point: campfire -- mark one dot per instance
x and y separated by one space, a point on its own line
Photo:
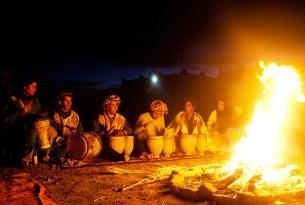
257 171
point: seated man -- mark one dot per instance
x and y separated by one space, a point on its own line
217 126
111 123
188 121
149 124
20 113
65 121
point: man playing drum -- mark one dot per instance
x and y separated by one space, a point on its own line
150 124
20 113
65 121
188 121
110 123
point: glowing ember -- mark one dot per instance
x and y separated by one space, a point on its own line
260 149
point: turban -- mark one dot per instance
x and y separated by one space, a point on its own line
158 106
112 98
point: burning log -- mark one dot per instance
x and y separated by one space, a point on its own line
252 198
224 183
207 190
252 182
199 184
224 199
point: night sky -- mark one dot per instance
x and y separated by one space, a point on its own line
103 41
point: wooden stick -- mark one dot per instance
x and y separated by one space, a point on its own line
131 186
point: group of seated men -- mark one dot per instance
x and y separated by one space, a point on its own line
20 142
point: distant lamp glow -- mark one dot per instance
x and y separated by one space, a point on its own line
154 79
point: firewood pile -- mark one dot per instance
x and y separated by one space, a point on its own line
214 184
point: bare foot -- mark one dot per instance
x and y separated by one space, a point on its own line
145 155
150 156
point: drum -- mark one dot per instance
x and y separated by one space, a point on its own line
155 145
169 146
117 143
42 126
84 146
188 143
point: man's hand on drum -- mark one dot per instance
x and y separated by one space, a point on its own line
111 131
121 133
65 142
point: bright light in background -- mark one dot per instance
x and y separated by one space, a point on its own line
154 79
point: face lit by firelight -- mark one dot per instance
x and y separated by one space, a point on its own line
220 105
30 89
157 114
113 107
66 103
189 108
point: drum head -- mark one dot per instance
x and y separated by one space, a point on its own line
78 147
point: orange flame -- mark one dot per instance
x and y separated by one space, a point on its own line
259 150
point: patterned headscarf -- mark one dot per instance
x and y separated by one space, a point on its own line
110 99
158 106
